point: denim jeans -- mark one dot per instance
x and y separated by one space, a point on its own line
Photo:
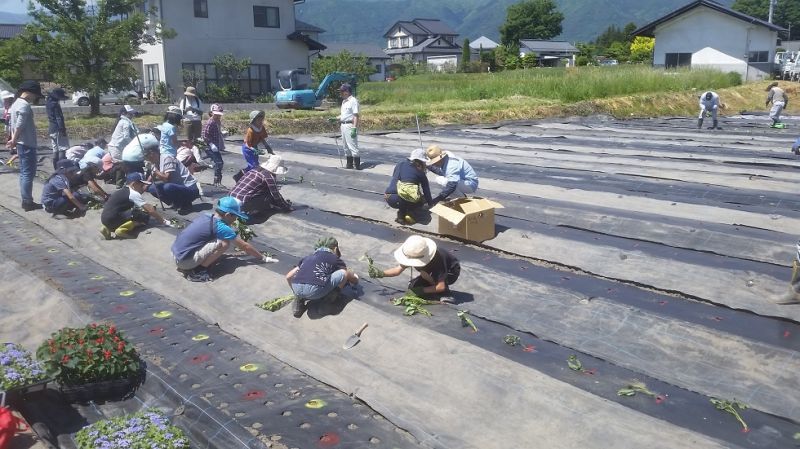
216 157
174 194
313 292
27 171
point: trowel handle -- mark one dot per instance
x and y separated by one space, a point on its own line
360 330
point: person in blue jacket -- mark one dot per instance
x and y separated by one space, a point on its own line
404 193
454 174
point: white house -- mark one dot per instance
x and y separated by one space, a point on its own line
549 53
480 44
375 55
262 30
423 40
707 34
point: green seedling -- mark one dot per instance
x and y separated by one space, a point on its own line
466 320
413 304
94 204
201 144
276 304
731 407
177 223
635 387
244 231
300 179
575 364
373 271
512 340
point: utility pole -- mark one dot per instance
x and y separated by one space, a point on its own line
771 9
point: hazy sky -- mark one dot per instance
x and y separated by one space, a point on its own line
15 6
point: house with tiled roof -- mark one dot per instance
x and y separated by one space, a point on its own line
423 40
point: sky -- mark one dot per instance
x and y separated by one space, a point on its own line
15 6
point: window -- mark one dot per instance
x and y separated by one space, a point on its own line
758 56
201 8
673 60
254 80
403 42
151 76
266 17
378 68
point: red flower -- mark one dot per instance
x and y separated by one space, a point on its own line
120 346
65 359
107 354
94 325
80 341
101 331
116 339
100 340
112 330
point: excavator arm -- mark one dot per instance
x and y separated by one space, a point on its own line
322 90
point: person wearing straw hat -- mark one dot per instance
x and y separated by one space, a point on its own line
438 269
403 192
258 190
454 173
192 110
323 274
212 135
8 99
23 139
208 237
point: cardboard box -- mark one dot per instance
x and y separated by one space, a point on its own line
467 218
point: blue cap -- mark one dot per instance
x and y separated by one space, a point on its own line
135 177
231 205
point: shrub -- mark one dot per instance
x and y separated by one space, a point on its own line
17 367
95 353
265 98
148 429
228 93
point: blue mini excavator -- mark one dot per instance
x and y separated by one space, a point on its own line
295 95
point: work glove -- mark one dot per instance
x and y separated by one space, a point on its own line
268 259
353 133
333 119
168 223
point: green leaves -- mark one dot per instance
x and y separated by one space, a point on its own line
732 407
463 315
635 387
512 340
574 364
244 231
276 304
413 304
373 271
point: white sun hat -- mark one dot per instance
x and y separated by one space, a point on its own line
416 251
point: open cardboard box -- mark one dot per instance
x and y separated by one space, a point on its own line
468 218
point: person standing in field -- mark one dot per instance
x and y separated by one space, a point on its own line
192 110
57 128
779 100
212 135
709 104
348 119
23 139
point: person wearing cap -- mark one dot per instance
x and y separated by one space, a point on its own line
60 195
208 237
709 104
189 156
779 100
173 185
212 136
57 128
192 110
256 134
438 269
124 132
453 173
348 119
127 210
323 274
133 153
169 131
23 139
94 154
257 189
403 192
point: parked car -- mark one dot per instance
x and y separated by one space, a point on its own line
113 96
607 62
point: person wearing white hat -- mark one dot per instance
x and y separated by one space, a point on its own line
192 110
403 192
438 269
257 189
8 99
454 174
212 135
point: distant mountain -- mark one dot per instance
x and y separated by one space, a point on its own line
10 17
365 21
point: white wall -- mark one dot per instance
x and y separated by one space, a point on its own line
228 29
715 40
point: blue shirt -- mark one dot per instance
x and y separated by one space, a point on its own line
165 144
204 229
93 155
54 189
456 169
223 231
317 268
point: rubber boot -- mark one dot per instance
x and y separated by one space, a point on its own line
106 233
793 295
357 163
349 162
124 230
716 125
699 123
298 307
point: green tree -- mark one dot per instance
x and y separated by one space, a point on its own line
786 14
530 19
500 54
586 53
528 61
12 52
641 49
465 56
229 70
628 32
345 62
619 50
89 46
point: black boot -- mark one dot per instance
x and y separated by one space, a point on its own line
298 307
699 123
357 163
349 162
716 125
